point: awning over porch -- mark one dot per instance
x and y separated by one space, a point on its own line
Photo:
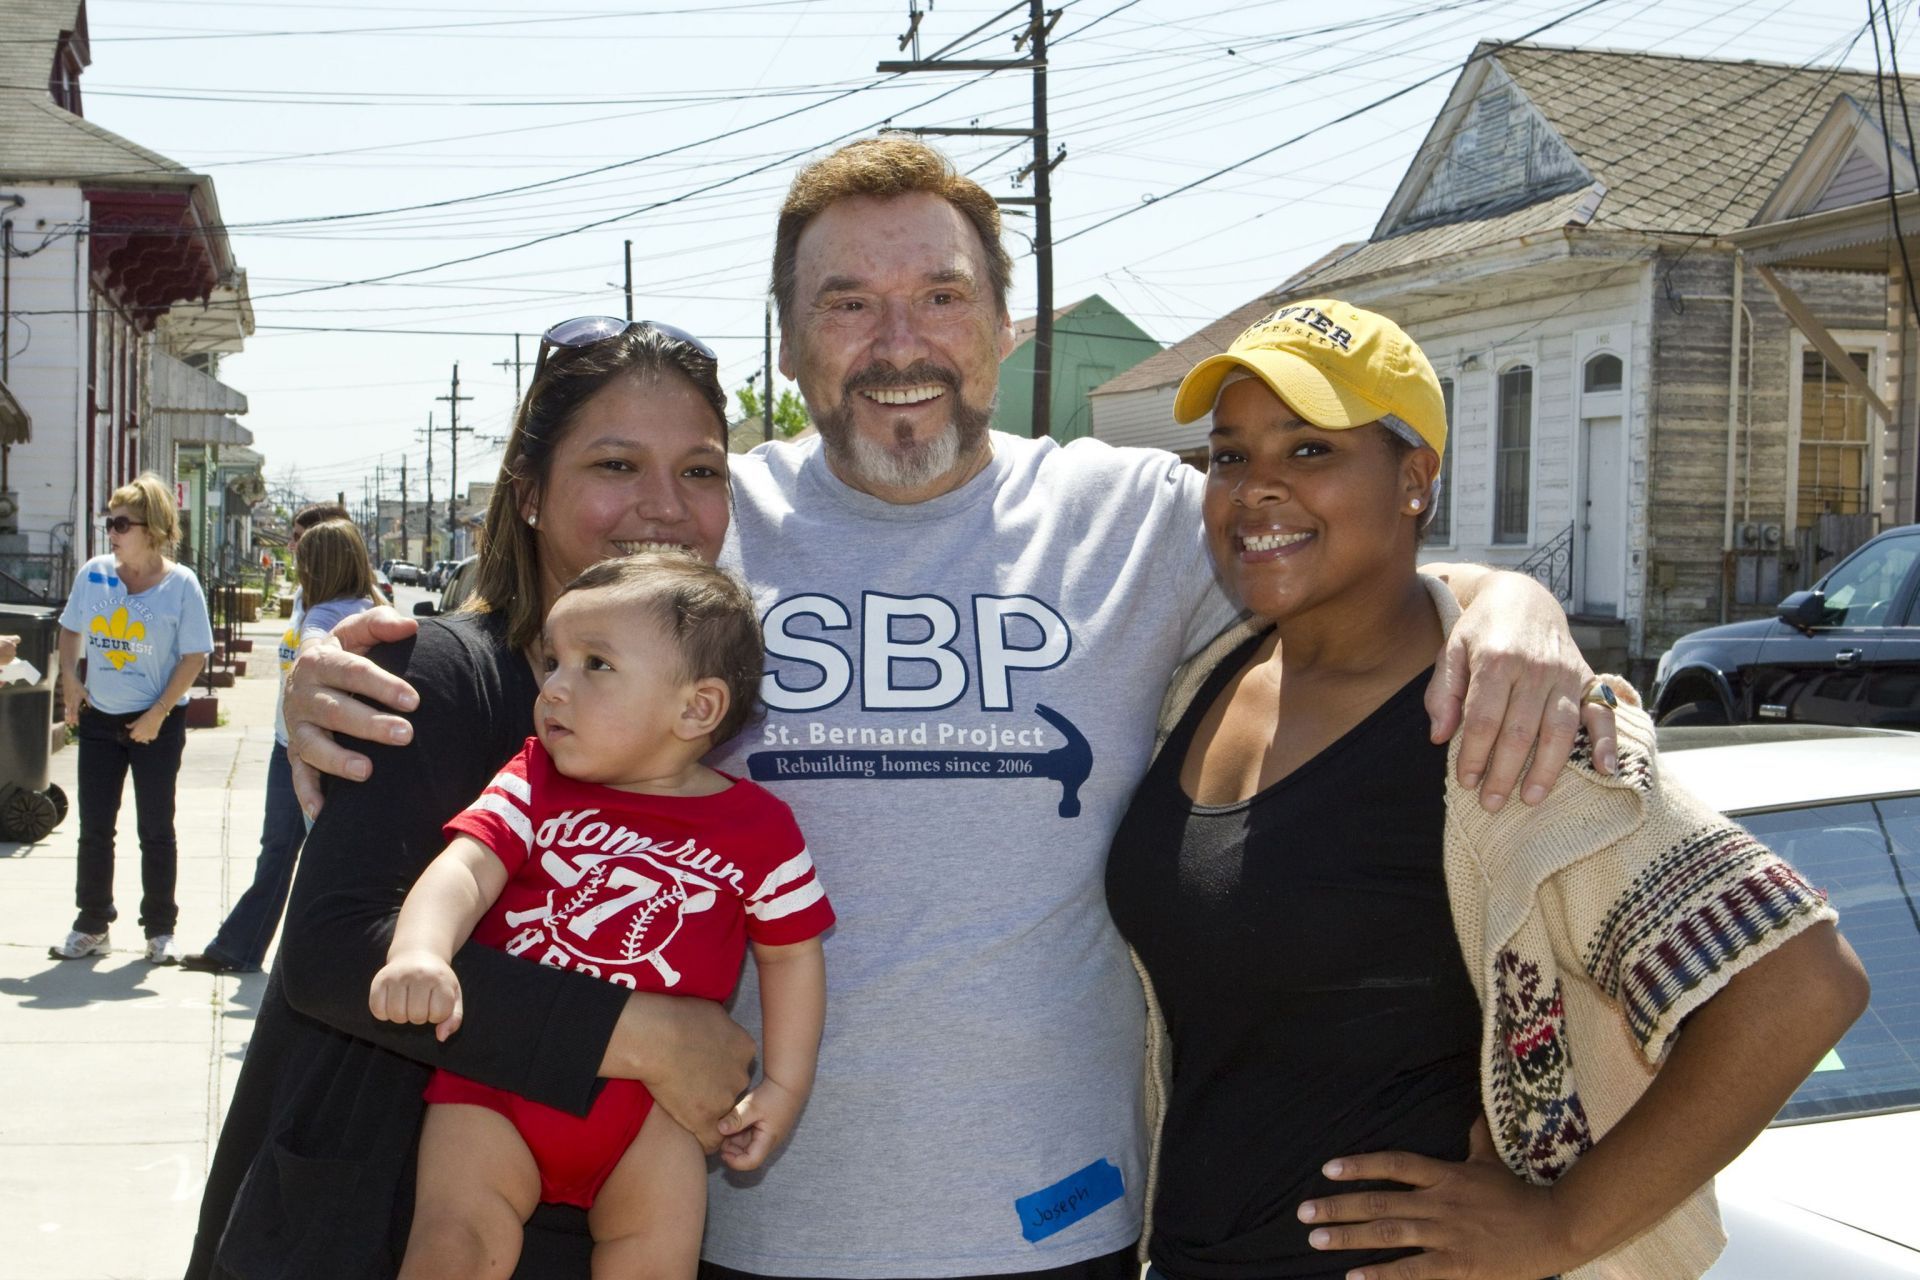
16 425
1867 237
1859 237
201 428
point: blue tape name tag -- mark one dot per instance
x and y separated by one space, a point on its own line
1067 1201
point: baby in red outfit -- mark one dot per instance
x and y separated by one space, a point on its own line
605 846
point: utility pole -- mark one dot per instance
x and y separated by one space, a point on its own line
403 511
379 496
454 400
912 37
1033 41
517 364
629 282
1042 168
766 400
426 512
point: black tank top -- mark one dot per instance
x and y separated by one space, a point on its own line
1303 951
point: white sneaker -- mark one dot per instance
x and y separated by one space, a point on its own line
80 945
160 949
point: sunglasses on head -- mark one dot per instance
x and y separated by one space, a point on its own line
585 331
120 524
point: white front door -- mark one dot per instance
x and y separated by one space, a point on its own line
1603 518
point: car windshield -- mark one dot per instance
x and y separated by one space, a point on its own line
1860 592
1865 856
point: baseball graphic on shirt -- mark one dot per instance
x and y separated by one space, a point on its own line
626 909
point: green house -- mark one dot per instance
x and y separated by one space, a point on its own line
1092 342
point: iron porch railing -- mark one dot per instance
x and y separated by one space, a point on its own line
1552 567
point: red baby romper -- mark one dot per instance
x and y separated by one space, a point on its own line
650 892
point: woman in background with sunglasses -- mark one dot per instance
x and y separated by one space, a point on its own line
619 447
143 621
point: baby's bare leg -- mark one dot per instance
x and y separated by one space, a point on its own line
477 1188
647 1219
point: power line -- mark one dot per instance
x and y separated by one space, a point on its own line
647 208
547 182
394 98
1341 119
435 28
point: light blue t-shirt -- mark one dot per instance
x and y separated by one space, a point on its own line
961 695
322 618
133 642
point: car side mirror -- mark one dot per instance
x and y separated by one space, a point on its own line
425 609
1804 610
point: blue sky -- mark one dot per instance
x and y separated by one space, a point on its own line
315 117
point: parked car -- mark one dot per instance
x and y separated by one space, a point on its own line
437 576
402 571
1827 1190
384 585
1845 652
459 585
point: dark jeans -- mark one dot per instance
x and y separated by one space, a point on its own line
1119 1265
106 754
248 928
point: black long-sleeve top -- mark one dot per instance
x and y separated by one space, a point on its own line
314 1171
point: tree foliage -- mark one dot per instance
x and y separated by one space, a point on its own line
789 411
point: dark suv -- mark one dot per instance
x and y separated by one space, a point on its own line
1845 652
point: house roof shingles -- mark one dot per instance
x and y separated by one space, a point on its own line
1687 145
1171 365
1449 238
1023 330
40 141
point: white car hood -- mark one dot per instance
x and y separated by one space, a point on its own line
1853 1172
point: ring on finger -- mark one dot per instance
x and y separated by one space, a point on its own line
1600 694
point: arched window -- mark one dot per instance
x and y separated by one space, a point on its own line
1513 457
1440 528
1604 373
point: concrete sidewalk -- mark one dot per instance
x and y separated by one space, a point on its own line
117 1072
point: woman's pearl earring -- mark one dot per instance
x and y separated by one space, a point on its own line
1411 506
531 519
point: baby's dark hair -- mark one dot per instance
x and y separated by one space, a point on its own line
708 613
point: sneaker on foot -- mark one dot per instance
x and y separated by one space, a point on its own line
80 945
160 949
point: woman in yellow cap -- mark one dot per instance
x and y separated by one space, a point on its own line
1392 1020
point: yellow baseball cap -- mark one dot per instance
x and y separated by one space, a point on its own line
1334 364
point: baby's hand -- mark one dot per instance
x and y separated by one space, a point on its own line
758 1124
416 987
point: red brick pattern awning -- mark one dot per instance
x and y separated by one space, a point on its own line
150 251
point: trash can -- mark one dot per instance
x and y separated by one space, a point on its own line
30 805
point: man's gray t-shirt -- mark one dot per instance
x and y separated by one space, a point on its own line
961 695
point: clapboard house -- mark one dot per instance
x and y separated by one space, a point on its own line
119 293
1092 341
1644 418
